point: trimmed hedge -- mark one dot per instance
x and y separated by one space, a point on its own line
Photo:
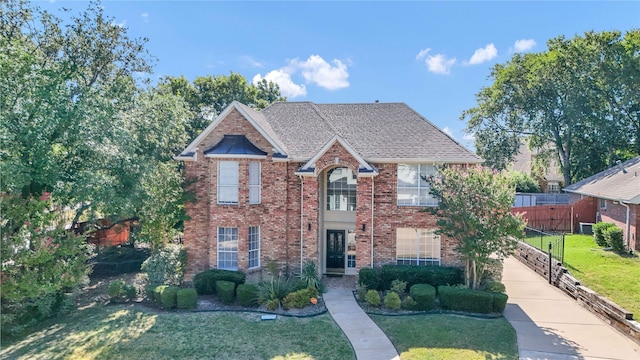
372 298
463 299
168 296
156 294
409 304
300 298
187 298
226 291
499 302
205 282
599 230
381 278
423 295
614 236
369 278
247 294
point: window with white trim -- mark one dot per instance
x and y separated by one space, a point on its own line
227 248
603 204
228 182
341 189
255 182
412 189
417 247
254 247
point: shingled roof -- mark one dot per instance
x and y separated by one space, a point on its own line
379 132
619 183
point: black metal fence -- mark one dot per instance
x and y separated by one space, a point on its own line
551 243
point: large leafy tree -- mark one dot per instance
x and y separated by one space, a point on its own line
474 208
578 102
209 95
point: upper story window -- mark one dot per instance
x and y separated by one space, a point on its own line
412 189
228 182
255 183
341 189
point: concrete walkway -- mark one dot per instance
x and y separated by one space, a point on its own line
368 341
551 325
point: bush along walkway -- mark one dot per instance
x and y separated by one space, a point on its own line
368 341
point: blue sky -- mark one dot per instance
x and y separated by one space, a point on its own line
433 56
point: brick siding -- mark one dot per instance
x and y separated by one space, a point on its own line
278 215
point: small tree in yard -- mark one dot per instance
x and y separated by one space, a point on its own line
474 206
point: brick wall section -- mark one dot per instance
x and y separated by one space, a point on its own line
278 215
617 214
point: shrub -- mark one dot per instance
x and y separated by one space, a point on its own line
226 291
152 294
423 295
398 286
372 298
166 266
614 236
381 278
157 293
492 271
272 304
168 296
369 278
598 232
499 302
463 299
392 300
205 282
120 291
361 291
309 275
299 299
409 304
493 286
187 298
274 289
247 294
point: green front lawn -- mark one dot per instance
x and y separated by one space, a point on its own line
610 274
443 336
135 332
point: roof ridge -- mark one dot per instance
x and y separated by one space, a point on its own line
323 116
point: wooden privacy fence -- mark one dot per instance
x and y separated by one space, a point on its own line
559 276
559 217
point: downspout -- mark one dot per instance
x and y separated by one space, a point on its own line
301 217
371 230
627 224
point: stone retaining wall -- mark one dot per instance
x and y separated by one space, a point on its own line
616 316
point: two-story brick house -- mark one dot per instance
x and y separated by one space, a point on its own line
338 184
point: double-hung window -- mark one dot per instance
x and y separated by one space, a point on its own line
417 247
228 248
412 189
255 183
228 182
254 247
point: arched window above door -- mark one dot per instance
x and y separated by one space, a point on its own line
341 189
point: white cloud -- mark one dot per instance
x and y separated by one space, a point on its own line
438 63
422 53
251 61
484 54
287 87
145 17
523 45
469 137
447 131
317 70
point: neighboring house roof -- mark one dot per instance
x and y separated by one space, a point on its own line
377 132
620 183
